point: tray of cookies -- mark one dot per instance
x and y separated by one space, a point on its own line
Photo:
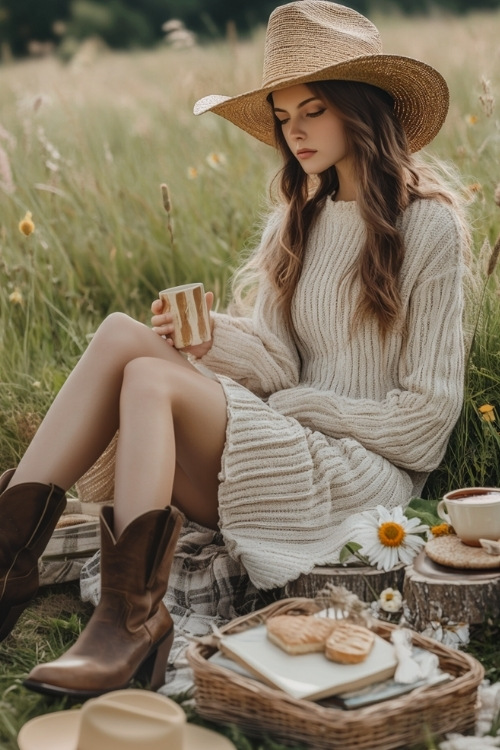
248 692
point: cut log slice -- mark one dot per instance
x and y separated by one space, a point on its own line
366 582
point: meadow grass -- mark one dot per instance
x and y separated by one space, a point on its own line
85 148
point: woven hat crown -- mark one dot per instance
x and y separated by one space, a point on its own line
304 37
317 40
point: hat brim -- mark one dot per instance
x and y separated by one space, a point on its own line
59 731
420 93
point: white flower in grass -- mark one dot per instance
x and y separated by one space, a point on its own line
390 600
216 160
388 537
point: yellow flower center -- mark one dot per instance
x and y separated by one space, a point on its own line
391 534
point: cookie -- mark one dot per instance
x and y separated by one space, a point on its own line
299 634
349 643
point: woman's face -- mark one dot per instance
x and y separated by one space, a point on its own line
312 129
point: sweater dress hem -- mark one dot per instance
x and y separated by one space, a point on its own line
279 482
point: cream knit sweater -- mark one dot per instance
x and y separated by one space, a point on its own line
327 424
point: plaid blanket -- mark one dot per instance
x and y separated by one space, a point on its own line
75 539
206 588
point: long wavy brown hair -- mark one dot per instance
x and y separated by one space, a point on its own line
388 177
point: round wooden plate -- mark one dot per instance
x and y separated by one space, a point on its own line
451 552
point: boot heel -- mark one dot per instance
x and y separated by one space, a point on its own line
152 670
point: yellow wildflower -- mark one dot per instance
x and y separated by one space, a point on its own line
16 297
216 160
471 119
442 529
26 226
192 173
487 412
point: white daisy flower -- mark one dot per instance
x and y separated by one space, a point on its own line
388 537
390 600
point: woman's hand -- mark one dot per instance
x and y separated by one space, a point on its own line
163 325
162 322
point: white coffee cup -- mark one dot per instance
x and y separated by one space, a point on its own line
189 309
474 513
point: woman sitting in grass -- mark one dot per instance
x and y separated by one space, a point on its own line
337 392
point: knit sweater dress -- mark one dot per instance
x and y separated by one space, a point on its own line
327 423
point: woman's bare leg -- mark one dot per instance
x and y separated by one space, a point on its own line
172 434
85 414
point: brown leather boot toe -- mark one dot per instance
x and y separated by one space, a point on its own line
130 632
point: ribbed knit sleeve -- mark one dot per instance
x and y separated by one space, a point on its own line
257 352
411 424
260 356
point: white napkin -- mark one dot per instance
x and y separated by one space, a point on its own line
412 667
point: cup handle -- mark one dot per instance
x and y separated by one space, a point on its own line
441 511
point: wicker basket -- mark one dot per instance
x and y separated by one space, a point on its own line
224 696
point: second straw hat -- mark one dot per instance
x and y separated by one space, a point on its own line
317 40
120 720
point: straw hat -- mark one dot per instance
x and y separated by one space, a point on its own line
316 40
120 720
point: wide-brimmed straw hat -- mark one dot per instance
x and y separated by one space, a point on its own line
120 720
316 40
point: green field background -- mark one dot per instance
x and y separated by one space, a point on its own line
85 146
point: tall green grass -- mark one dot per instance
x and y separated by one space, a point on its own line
85 149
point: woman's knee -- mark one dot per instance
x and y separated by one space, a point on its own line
147 377
119 332
113 326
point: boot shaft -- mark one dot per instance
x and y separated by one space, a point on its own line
28 516
137 565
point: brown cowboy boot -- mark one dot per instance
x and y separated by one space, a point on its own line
28 516
131 630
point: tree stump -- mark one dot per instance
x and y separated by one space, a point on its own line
457 600
366 582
